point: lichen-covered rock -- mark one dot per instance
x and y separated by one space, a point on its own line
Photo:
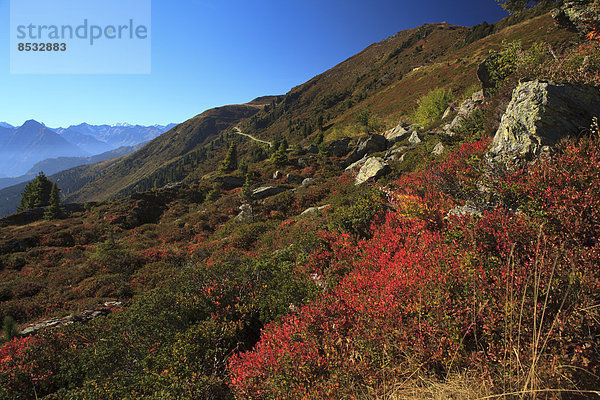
246 214
438 150
466 109
576 16
356 165
267 191
539 114
414 138
313 210
399 133
373 168
396 154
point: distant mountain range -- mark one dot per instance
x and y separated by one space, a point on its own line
23 147
51 166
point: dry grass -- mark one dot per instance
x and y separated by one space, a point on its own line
465 386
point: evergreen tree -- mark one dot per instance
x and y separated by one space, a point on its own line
230 162
280 158
54 211
246 188
36 193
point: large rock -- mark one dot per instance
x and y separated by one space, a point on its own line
267 191
438 150
246 214
414 138
540 114
466 109
313 210
373 168
396 154
399 133
338 147
576 16
369 145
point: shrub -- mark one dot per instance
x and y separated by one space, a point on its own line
431 107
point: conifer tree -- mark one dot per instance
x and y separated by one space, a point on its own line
54 211
36 193
280 158
246 188
229 164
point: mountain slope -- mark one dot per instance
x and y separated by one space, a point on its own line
387 78
121 177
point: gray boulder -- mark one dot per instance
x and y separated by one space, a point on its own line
438 150
466 109
338 147
267 191
414 138
541 113
465 210
397 153
356 165
373 168
246 214
399 133
369 145
312 149
313 210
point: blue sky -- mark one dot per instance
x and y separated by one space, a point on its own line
211 53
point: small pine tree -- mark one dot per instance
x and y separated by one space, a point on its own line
246 188
36 193
54 211
230 162
280 158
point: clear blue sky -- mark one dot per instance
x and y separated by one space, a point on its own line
211 53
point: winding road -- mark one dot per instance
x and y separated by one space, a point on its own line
238 131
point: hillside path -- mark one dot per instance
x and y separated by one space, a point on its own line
238 131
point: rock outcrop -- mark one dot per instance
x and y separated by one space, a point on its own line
414 138
466 109
246 214
82 317
313 210
368 145
267 191
539 114
576 16
373 168
438 150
